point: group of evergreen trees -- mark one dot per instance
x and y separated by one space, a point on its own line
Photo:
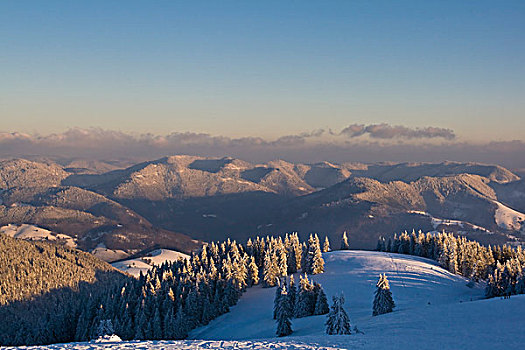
307 300
279 258
174 298
170 300
502 266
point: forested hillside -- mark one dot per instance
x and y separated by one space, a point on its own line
42 287
30 269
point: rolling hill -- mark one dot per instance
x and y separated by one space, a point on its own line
173 202
428 300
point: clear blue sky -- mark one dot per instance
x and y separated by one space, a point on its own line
263 68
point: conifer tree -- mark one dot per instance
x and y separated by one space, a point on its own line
321 303
157 325
305 299
338 321
292 293
314 262
105 327
283 314
344 242
253 272
276 300
383 301
271 271
180 325
283 260
379 245
298 251
326 245
317 264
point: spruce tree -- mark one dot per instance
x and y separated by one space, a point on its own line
344 242
317 265
321 303
276 300
157 325
379 245
383 301
180 325
305 299
253 272
105 327
271 270
326 245
284 313
337 320
292 293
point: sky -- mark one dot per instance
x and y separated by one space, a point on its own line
265 69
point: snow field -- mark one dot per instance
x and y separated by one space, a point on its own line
35 233
508 218
155 258
182 345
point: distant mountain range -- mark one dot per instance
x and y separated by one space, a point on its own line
174 202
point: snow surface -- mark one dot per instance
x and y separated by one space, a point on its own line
108 339
508 218
449 222
35 233
434 311
108 255
155 258
184 345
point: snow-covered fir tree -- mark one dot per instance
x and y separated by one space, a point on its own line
338 321
321 302
253 272
344 242
105 327
326 245
276 300
383 301
314 262
292 292
271 271
283 313
305 299
380 247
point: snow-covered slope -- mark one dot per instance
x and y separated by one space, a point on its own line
434 308
417 285
109 255
35 233
508 218
437 223
156 257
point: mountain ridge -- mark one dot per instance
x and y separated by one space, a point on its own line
173 198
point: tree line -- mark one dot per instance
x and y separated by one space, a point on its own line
502 267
